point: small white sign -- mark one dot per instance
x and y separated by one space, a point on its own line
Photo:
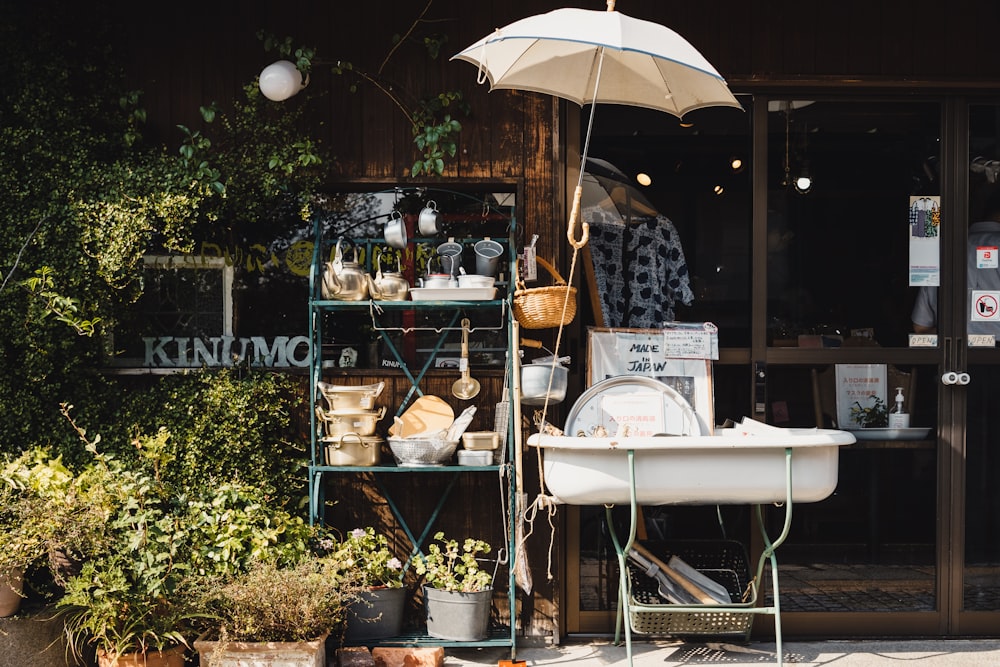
987 257
923 340
982 340
985 306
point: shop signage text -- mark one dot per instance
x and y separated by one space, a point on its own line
177 352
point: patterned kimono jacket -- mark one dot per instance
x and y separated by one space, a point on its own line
639 268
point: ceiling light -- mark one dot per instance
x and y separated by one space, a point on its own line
803 184
718 189
642 178
281 80
736 164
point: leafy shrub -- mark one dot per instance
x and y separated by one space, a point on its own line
224 426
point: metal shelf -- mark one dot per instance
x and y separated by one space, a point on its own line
451 311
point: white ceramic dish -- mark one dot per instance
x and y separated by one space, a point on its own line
453 293
917 433
590 412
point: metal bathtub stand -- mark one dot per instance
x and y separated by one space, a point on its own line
626 606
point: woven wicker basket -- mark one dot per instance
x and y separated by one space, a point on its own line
542 307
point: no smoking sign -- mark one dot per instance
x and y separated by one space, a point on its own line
985 306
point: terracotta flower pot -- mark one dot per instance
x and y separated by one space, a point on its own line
11 586
172 657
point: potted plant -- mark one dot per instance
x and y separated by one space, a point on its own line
457 592
277 611
50 519
378 612
875 416
137 599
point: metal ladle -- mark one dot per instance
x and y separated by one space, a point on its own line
465 387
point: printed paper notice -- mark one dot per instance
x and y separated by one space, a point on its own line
858 385
637 414
925 228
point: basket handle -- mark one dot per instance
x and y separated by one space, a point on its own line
557 279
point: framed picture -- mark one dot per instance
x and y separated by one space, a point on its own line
646 352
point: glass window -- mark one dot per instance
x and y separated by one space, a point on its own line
692 180
838 252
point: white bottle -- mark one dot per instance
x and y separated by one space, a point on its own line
898 417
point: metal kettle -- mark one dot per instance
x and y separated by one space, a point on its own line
344 281
389 286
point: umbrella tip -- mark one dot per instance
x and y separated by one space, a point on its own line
611 5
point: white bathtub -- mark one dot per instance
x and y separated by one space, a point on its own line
731 467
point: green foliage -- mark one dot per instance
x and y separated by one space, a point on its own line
140 588
367 553
62 308
452 568
49 517
282 603
223 426
86 196
876 416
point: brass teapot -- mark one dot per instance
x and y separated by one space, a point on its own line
344 281
389 286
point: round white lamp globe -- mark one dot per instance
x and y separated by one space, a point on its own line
280 80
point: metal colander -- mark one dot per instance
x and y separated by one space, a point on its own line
422 451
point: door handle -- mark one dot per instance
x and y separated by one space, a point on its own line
951 377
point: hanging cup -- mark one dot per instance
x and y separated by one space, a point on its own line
395 231
429 220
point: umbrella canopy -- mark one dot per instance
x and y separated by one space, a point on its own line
563 53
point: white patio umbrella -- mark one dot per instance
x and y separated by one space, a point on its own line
592 57
564 53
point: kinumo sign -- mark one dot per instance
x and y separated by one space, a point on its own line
177 352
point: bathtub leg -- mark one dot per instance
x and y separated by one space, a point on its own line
768 553
623 619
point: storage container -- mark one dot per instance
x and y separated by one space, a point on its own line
352 449
480 440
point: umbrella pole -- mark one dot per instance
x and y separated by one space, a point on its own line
574 214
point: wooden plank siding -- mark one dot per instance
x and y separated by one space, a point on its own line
196 53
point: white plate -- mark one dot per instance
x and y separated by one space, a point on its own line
453 293
589 411
890 433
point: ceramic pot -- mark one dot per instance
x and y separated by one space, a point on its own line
172 657
262 654
377 615
456 615
11 586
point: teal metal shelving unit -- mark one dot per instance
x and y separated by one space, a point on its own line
319 473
